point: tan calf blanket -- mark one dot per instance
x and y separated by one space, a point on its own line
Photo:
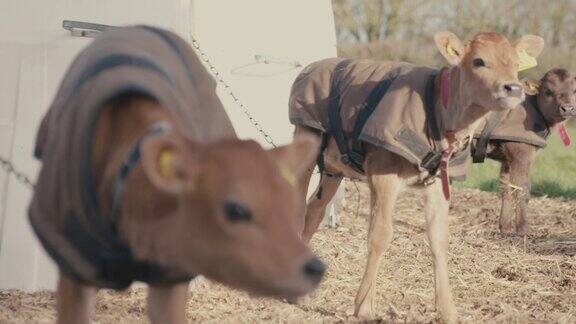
525 124
64 210
399 121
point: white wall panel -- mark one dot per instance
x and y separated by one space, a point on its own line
35 52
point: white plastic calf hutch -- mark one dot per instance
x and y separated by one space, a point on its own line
258 46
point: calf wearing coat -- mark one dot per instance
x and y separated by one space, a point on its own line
551 101
482 77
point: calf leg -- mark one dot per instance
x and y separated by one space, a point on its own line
507 208
520 177
519 157
316 208
304 181
384 191
167 303
74 301
303 184
436 210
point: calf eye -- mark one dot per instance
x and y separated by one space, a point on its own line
235 212
548 93
478 62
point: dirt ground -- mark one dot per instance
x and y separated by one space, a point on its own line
494 278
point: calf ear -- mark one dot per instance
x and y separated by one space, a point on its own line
531 44
162 160
295 158
531 87
450 46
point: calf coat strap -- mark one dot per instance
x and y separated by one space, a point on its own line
354 156
431 161
481 147
534 101
372 101
335 120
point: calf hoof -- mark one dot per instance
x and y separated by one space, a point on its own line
448 316
294 301
507 228
365 312
302 300
446 311
522 228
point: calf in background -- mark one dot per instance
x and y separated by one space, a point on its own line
514 141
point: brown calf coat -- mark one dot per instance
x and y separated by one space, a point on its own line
523 125
136 59
399 121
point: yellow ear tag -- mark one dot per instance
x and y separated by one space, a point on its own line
288 176
532 87
451 51
165 163
525 61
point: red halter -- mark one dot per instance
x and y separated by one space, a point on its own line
447 153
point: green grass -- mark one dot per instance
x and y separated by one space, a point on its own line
553 173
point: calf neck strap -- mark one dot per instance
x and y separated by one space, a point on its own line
445 80
127 166
113 261
445 84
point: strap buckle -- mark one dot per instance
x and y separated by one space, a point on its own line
345 158
431 162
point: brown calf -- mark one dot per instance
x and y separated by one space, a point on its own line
224 211
143 179
550 102
483 78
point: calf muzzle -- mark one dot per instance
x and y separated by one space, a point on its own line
567 110
513 90
314 270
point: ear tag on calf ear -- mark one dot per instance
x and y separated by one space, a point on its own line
288 176
532 87
451 51
165 162
525 61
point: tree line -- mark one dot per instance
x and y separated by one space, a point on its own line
402 29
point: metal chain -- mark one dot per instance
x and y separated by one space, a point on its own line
21 177
219 78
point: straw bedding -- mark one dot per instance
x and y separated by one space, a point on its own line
494 278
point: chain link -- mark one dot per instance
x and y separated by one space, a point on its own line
219 78
21 177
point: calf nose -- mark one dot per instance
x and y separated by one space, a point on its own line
513 89
314 270
567 110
